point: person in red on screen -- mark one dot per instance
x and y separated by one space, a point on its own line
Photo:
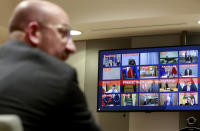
174 71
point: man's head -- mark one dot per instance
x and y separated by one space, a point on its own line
113 87
43 25
189 83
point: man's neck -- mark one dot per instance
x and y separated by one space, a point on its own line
17 35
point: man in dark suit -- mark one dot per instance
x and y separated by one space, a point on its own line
168 101
188 72
189 87
35 83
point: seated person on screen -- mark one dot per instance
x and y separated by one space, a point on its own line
174 71
162 72
188 58
168 101
118 62
107 101
166 86
153 88
132 62
167 59
168 72
144 87
188 72
110 63
146 101
190 101
116 99
112 90
189 87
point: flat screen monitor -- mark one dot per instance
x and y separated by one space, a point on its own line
149 79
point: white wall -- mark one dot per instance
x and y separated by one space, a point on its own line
109 121
155 121
78 61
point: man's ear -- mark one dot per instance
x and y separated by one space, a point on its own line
33 34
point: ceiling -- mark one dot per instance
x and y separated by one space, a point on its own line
98 19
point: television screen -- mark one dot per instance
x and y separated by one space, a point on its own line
149 79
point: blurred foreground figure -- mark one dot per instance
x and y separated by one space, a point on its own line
35 83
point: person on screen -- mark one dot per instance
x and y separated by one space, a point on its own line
118 62
168 72
136 72
36 83
113 90
166 86
162 72
124 73
167 59
130 72
190 101
188 72
153 88
128 100
152 71
105 61
104 100
174 71
107 100
132 62
168 101
190 86
134 88
143 87
116 99
188 58
146 101
110 63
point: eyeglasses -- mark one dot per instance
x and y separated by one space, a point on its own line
64 30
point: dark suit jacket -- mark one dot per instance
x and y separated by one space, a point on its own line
170 103
192 88
42 90
188 72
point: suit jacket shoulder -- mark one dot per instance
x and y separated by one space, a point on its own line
42 90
